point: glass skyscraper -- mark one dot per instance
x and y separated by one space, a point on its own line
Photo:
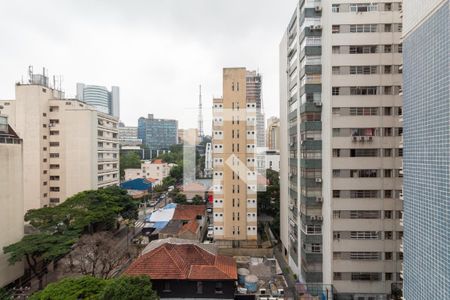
100 98
426 149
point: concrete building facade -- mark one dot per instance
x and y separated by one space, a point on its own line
99 97
128 136
426 88
11 198
156 169
234 147
68 146
273 133
340 88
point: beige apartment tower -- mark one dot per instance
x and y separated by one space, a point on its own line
234 160
68 146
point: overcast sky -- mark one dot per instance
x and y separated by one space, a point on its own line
157 51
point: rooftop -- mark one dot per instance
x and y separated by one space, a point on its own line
182 259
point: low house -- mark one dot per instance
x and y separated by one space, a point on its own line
194 189
156 169
188 222
186 269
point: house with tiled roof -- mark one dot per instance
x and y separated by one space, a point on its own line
186 269
188 222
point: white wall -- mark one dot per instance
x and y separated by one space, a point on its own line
11 212
414 11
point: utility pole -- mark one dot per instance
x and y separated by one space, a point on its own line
200 115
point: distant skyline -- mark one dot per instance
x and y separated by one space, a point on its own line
157 52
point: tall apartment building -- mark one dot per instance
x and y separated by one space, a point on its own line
426 89
340 83
273 133
157 134
99 97
11 198
68 146
234 161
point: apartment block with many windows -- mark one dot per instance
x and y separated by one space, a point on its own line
234 159
340 89
68 145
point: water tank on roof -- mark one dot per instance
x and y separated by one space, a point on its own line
251 283
242 272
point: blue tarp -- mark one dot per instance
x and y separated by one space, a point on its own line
138 184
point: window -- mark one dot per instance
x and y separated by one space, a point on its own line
387 27
364 235
54 155
336 70
388 6
54 178
199 287
54 144
388 276
219 288
366 70
387 152
387 69
316 248
388 255
54 189
335 8
387 48
364 90
388 214
166 287
336 28
388 235
388 194
366 276
388 173
54 200
363 28
336 49
335 91
363 49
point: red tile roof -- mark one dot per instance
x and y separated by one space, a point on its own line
183 261
158 161
191 226
188 212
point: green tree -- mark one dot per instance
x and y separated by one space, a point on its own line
86 287
5 295
130 288
180 198
87 211
39 250
92 288
197 199
269 200
177 172
129 160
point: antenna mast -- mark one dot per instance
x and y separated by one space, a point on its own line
200 114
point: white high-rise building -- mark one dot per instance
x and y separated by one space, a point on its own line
99 97
340 97
68 146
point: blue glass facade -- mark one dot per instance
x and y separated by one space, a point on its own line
157 134
427 159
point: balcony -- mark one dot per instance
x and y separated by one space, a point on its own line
313 79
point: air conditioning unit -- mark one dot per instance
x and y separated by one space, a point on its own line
318 8
319 218
318 27
312 27
370 138
318 103
361 139
355 139
319 199
318 180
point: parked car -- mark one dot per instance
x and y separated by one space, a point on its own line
209 210
210 234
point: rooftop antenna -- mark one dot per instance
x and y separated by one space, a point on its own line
30 74
200 114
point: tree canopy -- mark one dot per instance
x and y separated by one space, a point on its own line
129 160
269 200
88 287
130 288
59 228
